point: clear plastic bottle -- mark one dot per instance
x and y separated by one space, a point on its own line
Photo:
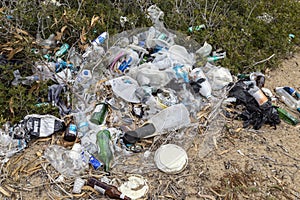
205 89
82 123
290 101
171 118
292 92
68 162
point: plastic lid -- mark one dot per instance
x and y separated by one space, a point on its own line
171 158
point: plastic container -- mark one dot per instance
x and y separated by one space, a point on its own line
125 88
136 187
258 94
67 162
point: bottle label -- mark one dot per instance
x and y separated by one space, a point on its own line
98 108
260 97
72 129
122 196
99 189
95 163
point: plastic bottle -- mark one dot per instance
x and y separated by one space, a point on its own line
9 146
49 42
99 114
100 39
71 133
63 49
258 94
106 189
205 89
171 118
292 92
68 162
105 151
290 101
196 28
82 123
215 58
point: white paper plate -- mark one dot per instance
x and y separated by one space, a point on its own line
171 159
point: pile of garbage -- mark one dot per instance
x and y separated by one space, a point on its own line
131 88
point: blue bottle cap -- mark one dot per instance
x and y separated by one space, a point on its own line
85 72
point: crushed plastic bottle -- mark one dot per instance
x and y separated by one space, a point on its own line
9 145
67 162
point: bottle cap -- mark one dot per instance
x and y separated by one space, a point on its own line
171 159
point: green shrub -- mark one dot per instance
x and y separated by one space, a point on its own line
231 25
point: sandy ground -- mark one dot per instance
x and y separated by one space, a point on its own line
243 163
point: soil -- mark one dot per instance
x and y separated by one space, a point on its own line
241 164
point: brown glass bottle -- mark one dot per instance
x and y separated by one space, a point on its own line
71 133
106 189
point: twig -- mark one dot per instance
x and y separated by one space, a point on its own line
80 4
219 195
50 177
251 12
259 62
206 196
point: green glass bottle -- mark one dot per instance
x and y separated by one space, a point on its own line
105 150
99 114
287 117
